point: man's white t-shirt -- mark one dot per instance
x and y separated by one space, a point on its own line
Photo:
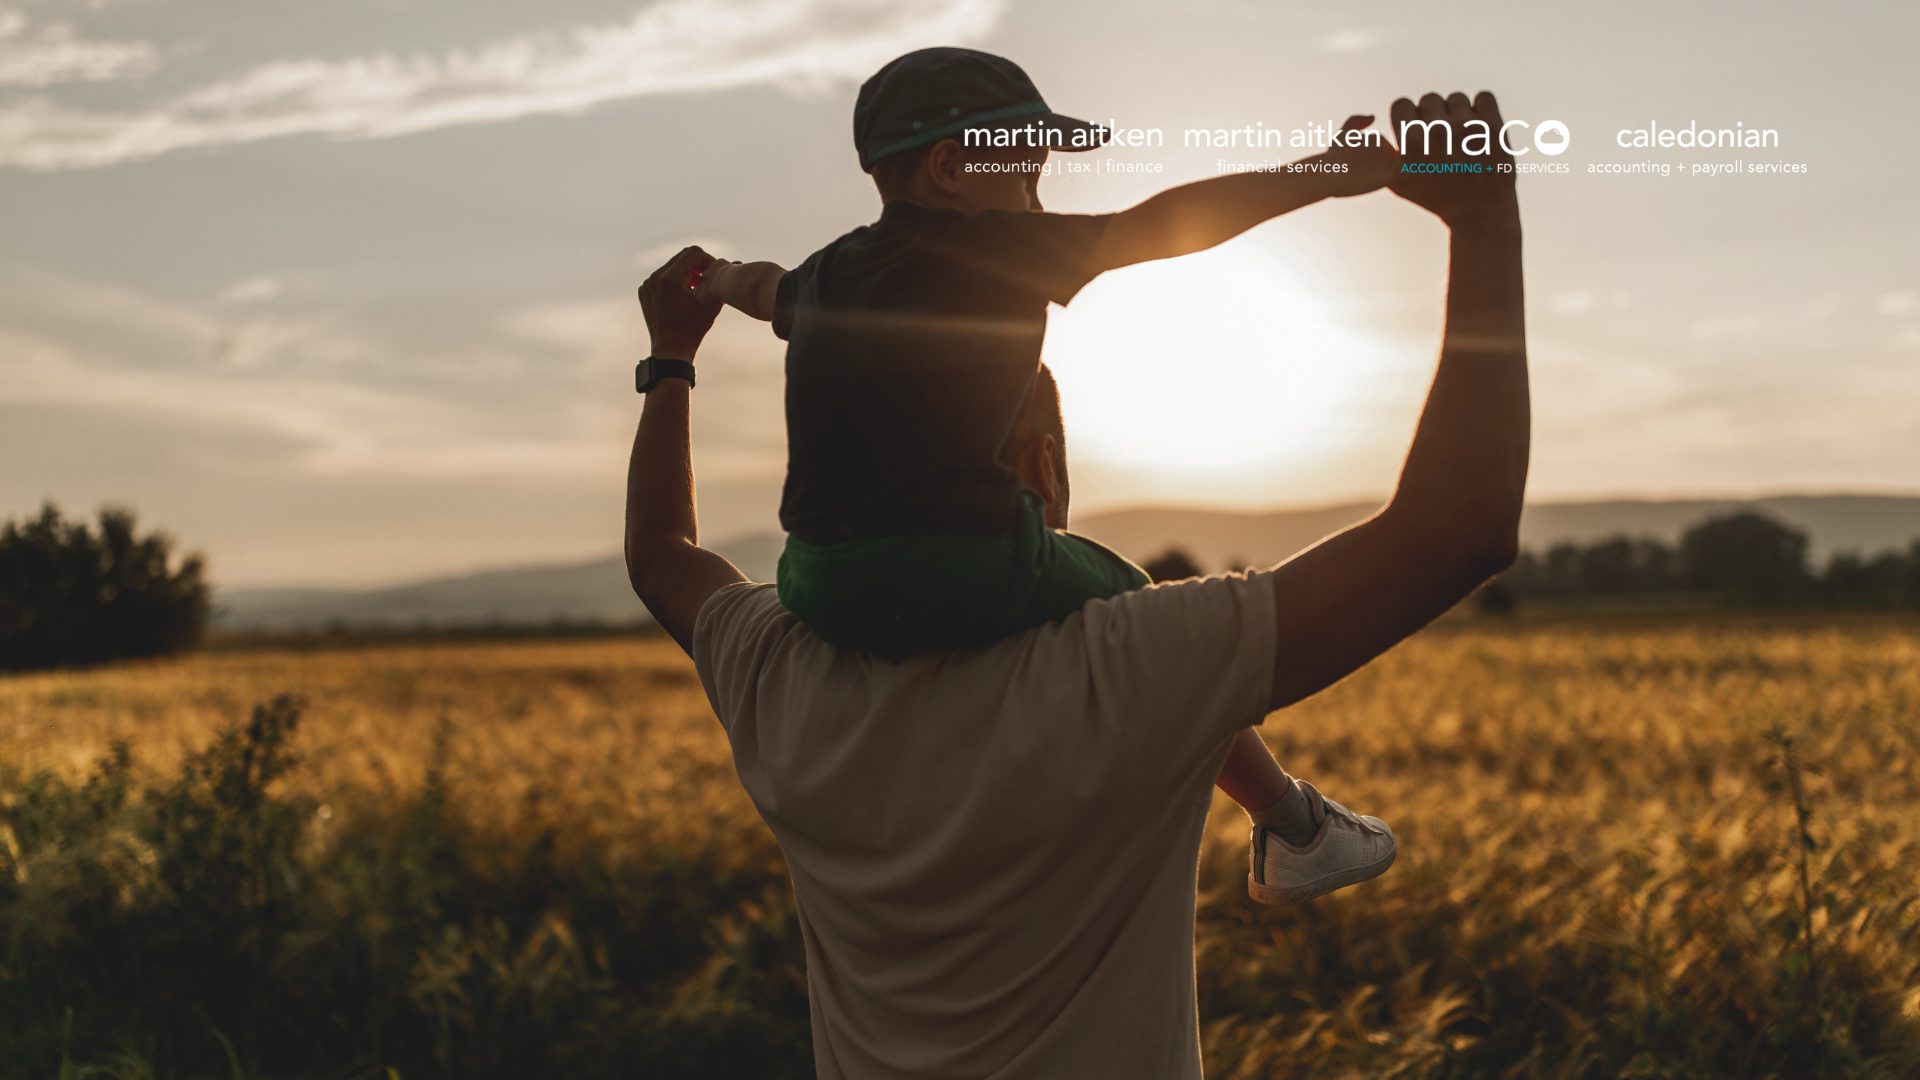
994 852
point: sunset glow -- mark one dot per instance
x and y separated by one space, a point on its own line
1221 362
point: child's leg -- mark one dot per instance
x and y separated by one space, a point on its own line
1251 777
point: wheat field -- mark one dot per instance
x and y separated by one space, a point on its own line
1664 847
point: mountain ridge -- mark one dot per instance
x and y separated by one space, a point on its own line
596 590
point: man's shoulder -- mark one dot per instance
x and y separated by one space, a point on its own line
821 271
1162 600
732 636
733 612
735 601
748 609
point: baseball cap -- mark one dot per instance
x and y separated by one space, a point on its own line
934 94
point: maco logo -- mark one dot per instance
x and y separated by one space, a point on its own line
1517 137
1552 138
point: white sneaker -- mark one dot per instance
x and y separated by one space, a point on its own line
1349 848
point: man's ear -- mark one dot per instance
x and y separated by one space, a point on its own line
945 166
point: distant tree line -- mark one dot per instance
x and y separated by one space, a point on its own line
1744 557
70 594
1172 564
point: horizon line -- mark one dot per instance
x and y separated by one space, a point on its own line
1098 511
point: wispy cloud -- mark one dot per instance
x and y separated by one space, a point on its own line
301 379
1349 41
542 390
251 290
652 256
675 46
53 53
1898 303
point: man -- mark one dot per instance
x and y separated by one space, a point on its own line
993 852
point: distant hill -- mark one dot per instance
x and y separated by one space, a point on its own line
597 590
576 591
1221 538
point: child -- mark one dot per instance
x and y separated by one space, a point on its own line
912 345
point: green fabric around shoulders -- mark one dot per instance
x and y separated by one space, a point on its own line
913 594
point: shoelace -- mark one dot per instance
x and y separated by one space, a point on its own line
1330 808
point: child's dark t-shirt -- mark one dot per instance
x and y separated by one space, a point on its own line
912 343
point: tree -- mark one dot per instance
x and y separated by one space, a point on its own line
1852 577
1172 565
1560 572
1496 597
1620 565
1744 555
71 595
1910 583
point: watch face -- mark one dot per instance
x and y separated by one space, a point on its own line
642 373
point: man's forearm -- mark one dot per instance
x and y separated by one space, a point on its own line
660 479
669 571
1467 468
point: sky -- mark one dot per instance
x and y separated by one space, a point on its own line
343 293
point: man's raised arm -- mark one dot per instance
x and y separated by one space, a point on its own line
1454 519
670 572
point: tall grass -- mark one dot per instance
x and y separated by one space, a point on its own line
1652 850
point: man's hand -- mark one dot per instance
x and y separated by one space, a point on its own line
677 318
669 570
1370 166
1435 135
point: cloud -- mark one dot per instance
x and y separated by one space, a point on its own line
302 343
541 391
53 54
1736 325
651 257
1349 41
304 380
587 331
1572 302
251 290
676 46
1898 303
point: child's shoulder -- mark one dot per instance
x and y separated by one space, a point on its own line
847 249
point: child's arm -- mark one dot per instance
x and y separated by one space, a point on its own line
749 287
1199 215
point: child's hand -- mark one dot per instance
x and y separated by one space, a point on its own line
676 321
706 284
1369 166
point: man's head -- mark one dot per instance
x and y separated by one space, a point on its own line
1037 447
912 119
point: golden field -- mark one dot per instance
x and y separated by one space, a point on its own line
503 858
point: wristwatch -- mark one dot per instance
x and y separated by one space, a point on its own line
648 373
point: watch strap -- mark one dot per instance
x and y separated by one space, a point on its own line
648 373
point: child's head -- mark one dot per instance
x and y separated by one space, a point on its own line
912 120
953 177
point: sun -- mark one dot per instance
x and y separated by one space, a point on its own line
1228 361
